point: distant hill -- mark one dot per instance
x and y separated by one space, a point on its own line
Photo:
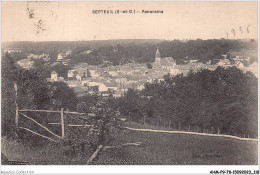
140 50
93 44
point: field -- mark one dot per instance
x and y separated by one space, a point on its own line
156 149
179 149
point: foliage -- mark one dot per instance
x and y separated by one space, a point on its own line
105 127
139 51
224 99
34 92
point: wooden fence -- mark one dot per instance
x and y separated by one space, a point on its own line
21 113
163 123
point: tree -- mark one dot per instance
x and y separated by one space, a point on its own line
225 98
8 95
62 96
149 65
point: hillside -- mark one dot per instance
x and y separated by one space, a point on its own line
155 149
179 149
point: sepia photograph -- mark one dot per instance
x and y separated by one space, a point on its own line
129 83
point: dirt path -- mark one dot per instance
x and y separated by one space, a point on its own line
193 133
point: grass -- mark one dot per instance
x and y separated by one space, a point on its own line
178 149
49 154
156 149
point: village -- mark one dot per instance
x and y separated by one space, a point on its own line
116 80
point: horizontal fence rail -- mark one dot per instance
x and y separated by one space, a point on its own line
65 112
62 123
70 124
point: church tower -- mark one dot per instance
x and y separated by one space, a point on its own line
157 55
157 62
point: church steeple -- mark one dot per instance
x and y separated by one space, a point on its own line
157 55
157 62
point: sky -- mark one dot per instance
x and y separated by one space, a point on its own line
73 21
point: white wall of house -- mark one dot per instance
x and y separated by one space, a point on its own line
93 73
102 87
59 57
54 76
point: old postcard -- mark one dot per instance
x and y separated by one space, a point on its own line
129 83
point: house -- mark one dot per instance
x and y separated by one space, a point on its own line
68 53
26 63
85 81
106 74
224 62
72 83
239 65
195 66
10 50
54 77
112 73
253 68
124 87
46 57
59 57
99 84
210 67
87 52
121 80
102 87
133 79
181 69
117 94
193 61
78 77
43 56
93 71
111 86
138 73
72 74
140 87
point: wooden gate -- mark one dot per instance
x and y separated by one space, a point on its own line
62 122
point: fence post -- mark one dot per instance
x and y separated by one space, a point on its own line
218 131
189 128
16 106
144 120
212 129
169 123
179 125
62 123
